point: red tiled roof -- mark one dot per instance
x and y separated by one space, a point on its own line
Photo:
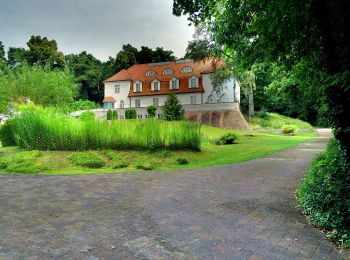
138 72
109 99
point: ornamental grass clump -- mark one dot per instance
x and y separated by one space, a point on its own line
289 129
36 128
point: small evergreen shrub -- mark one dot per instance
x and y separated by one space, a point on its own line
151 110
182 161
172 108
87 159
130 113
109 114
7 137
263 113
230 138
289 129
114 115
324 194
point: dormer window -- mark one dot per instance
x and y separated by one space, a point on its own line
174 83
193 82
186 70
168 72
155 85
138 86
150 73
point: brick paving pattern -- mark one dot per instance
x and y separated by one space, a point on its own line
241 211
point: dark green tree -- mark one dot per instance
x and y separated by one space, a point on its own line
151 110
172 108
126 57
44 52
16 57
145 55
88 73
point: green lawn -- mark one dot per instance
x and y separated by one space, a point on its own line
251 144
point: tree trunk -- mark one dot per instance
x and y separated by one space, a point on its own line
251 100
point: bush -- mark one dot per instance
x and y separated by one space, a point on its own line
182 161
81 105
324 194
119 164
109 114
130 113
45 129
3 165
151 110
229 138
114 115
289 129
263 113
87 159
88 115
172 108
145 166
7 137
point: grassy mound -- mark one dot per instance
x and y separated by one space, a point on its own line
276 121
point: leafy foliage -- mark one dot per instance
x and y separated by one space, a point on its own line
172 108
130 113
230 138
323 196
151 110
289 129
89 160
2 51
40 85
7 137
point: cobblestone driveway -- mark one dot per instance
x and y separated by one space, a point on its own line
241 211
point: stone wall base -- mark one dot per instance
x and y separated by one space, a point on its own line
232 119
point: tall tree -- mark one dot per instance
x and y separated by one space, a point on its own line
88 73
126 57
286 32
44 52
145 55
16 56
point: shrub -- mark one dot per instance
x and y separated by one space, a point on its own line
172 108
119 164
229 138
263 113
3 165
45 129
145 166
109 114
324 194
289 129
81 105
182 161
88 115
130 113
115 115
7 137
87 159
151 110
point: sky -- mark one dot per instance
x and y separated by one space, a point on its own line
99 27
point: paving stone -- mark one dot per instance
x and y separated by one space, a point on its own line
241 211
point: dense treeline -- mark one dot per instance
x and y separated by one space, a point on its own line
88 71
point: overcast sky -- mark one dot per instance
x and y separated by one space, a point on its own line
100 27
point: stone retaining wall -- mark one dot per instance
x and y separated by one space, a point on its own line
232 119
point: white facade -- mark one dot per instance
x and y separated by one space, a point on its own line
228 95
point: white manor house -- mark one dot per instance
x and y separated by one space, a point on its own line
143 85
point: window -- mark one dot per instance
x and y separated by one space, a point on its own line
138 87
173 84
193 83
193 100
116 88
137 103
150 73
186 70
155 102
155 86
121 105
168 72
139 116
